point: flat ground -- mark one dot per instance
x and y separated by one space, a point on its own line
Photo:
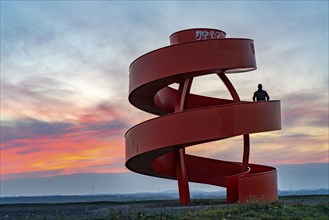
288 207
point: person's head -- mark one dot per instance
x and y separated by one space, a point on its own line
260 86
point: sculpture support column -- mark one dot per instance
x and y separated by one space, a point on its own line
181 169
182 177
246 141
229 86
246 149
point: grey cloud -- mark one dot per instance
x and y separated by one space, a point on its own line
30 149
115 120
24 133
293 140
48 87
305 108
320 121
103 53
42 91
32 128
108 166
296 136
34 174
106 126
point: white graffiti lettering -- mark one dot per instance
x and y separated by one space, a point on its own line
205 35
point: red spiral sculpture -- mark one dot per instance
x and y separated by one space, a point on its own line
157 147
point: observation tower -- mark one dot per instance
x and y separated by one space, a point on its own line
157 147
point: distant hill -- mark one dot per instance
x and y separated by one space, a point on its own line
292 177
169 195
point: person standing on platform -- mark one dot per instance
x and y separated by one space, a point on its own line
260 94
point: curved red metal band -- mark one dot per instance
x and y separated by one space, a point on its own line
160 68
156 147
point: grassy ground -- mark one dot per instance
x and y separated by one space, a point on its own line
289 207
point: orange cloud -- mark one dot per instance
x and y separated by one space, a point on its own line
70 155
32 146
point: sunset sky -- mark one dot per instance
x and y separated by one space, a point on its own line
64 79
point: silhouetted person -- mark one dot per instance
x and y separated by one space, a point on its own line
260 94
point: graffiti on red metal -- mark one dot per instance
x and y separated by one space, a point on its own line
206 35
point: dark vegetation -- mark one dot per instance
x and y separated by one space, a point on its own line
288 207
